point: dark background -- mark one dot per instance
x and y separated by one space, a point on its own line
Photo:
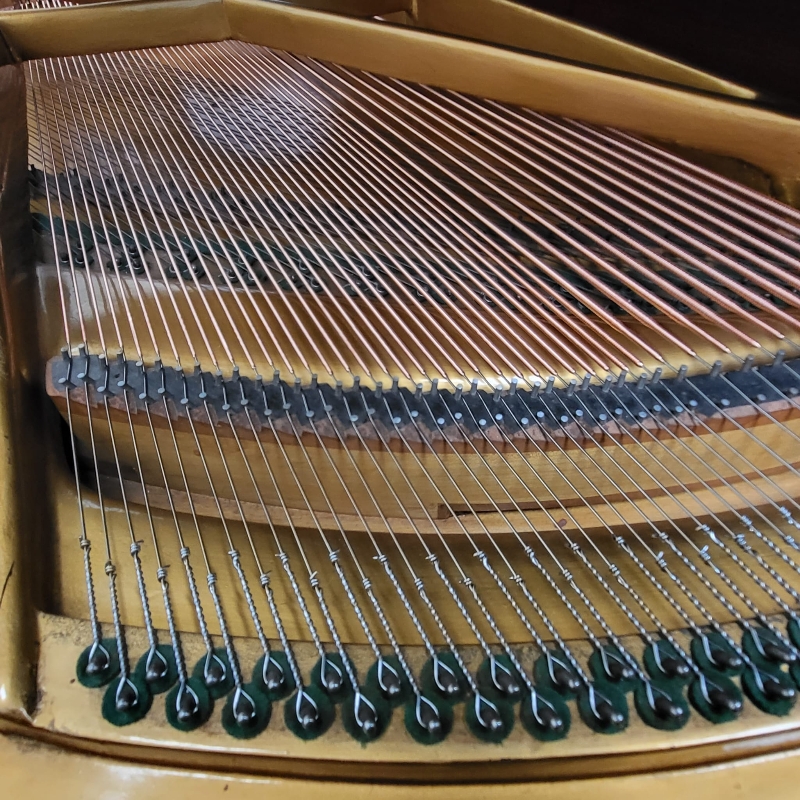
755 42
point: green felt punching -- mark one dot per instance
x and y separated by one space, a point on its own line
770 689
611 703
539 713
653 701
713 682
251 699
373 708
422 733
312 697
449 671
194 700
481 707
105 664
214 670
162 660
793 629
277 666
139 701
389 673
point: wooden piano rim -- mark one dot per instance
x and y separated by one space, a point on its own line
27 766
540 770
731 742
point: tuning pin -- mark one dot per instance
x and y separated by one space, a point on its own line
563 678
156 666
603 709
306 711
244 709
503 679
775 689
722 702
99 660
389 681
666 708
543 715
366 716
215 672
674 667
273 676
445 679
726 659
551 720
428 716
331 675
771 648
127 696
775 652
615 668
488 718
187 705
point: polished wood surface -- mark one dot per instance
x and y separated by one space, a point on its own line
747 42
670 472
512 24
29 768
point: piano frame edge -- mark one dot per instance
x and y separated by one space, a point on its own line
35 767
18 645
693 119
512 24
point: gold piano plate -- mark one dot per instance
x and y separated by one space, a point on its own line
396 396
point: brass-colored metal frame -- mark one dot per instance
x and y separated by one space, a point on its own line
701 118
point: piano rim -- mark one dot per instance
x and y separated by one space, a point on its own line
27 763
